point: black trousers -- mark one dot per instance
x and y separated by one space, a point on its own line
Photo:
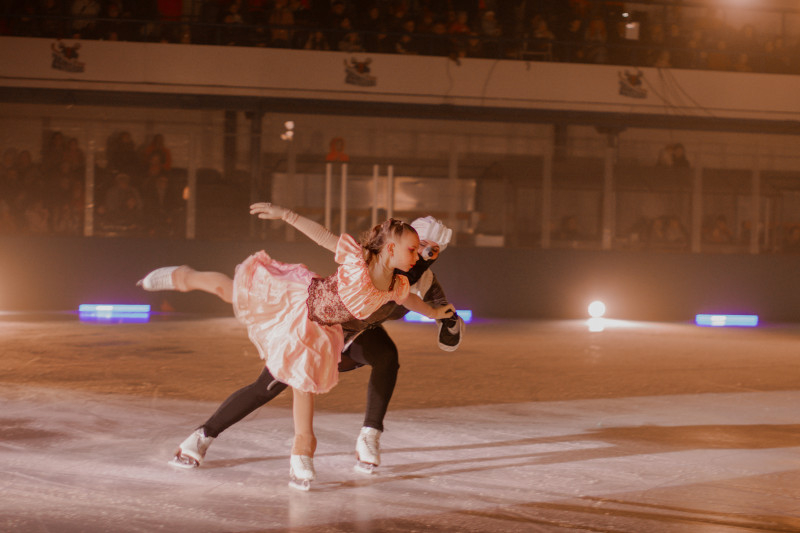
373 347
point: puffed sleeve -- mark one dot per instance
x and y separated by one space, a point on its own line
348 251
355 287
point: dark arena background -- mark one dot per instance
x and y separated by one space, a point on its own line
639 154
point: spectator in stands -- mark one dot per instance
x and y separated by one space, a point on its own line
425 22
656 41
53 152
440 43
74 157
785 58
538 38
332 21
568 230
490 33
679 156
674 232
696 54
28 171
8 223
571 47
317 41
36 216
121 153
337 152
663 60
408 43
157 146
162 208
371 25
25 22
673 155
233 33
719 58
718 232
85 14
791 243
8 162
113 27
302 17
170 10
123 206
351 43
742 63
11 187
281 15
52 25
746 41
595 40
460 24
67 210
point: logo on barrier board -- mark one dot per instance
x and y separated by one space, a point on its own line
630 84
66 57
357 73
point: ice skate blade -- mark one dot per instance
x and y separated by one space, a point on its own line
364 468
300 484
183 462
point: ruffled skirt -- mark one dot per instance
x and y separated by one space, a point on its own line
269 297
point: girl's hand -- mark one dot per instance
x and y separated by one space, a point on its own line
267 211
446 311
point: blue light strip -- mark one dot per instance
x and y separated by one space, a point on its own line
113 309
727 320
411 316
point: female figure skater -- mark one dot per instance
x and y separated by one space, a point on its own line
294 317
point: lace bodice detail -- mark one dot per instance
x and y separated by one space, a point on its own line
324 304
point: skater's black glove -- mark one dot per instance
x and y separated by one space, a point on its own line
451 321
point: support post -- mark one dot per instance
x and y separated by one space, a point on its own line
547 193
390 192
191 200
89 193
755 216
328 193
343 202
375 195
697 206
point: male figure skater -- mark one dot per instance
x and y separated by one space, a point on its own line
366 343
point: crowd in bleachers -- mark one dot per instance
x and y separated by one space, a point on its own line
135 191
590 31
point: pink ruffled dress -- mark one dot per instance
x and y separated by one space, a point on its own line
294 317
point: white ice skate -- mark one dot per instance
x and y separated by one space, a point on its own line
159 279
191 452
368 450
301 472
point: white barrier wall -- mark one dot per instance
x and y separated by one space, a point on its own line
216 70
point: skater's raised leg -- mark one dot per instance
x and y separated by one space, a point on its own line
185 279
301 462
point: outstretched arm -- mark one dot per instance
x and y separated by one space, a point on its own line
415 303
316 232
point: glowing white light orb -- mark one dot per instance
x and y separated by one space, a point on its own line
597 309
289 124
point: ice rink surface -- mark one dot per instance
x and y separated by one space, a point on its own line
529 426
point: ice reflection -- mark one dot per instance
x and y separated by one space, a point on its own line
597 324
